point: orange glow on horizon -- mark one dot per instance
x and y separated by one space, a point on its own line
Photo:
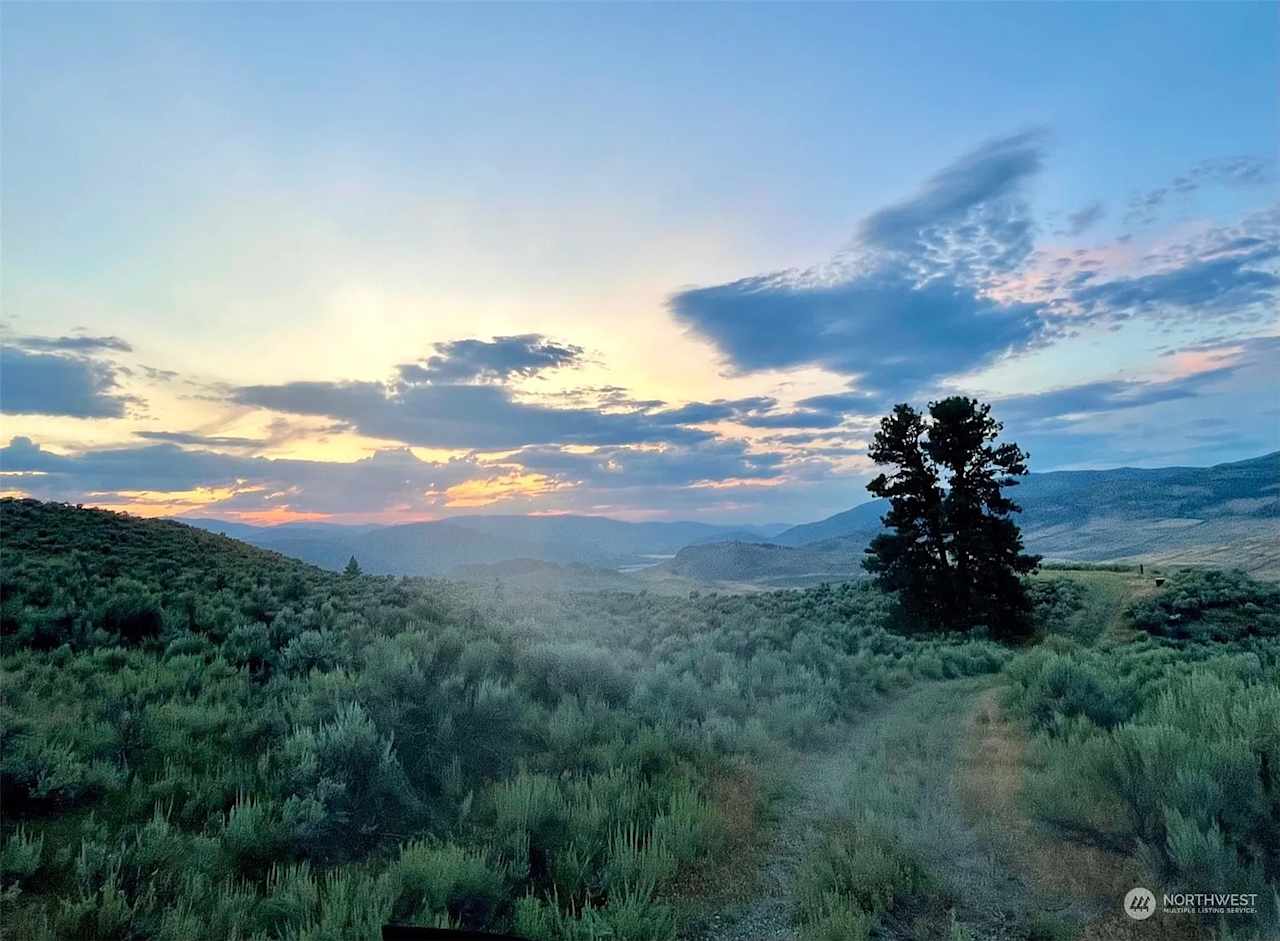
278 515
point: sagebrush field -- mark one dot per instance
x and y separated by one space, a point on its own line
206 740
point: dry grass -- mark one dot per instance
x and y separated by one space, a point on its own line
1083 884
740 794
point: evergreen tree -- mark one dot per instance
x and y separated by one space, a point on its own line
353 567
952 553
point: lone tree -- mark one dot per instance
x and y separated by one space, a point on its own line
952 554
353 567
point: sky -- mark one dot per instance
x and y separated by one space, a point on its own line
383 263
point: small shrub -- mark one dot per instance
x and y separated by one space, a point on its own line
20 858
445 879
132 613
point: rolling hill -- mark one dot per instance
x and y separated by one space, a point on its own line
769 564
1225 516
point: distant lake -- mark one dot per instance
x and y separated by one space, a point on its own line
636 567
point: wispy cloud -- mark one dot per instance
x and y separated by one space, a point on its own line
498 359
71 344
1236 278
1091 398
1241 171
203 441
1084 219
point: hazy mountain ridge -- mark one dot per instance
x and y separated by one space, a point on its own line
863 519
1227 515
437 547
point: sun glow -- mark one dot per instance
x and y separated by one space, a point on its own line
491 490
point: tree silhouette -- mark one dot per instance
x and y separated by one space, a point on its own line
353 567
953 554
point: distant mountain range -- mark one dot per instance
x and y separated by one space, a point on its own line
441 547
1227 515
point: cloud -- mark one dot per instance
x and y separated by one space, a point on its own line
894 335
625 468
975 198
57 384
798 418
385 479
498 359
480 417
457 399
72 344
1103 396
207 441
160 467
695 413
1235 172
1080 222
1217 412
855 402
1236 278
906 306
391 480
1256 350
753 412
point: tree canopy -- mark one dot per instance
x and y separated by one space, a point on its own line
952 553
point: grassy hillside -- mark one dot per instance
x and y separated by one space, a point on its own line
205 740
1226 516
769 564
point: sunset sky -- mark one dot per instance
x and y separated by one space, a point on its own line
398 262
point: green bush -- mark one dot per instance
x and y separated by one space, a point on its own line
449 880
132 612
20 858
1210 605
351 771
1184 775
859 869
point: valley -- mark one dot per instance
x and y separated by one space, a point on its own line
1227 516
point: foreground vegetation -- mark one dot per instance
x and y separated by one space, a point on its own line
1160 744
203 740
1166 745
